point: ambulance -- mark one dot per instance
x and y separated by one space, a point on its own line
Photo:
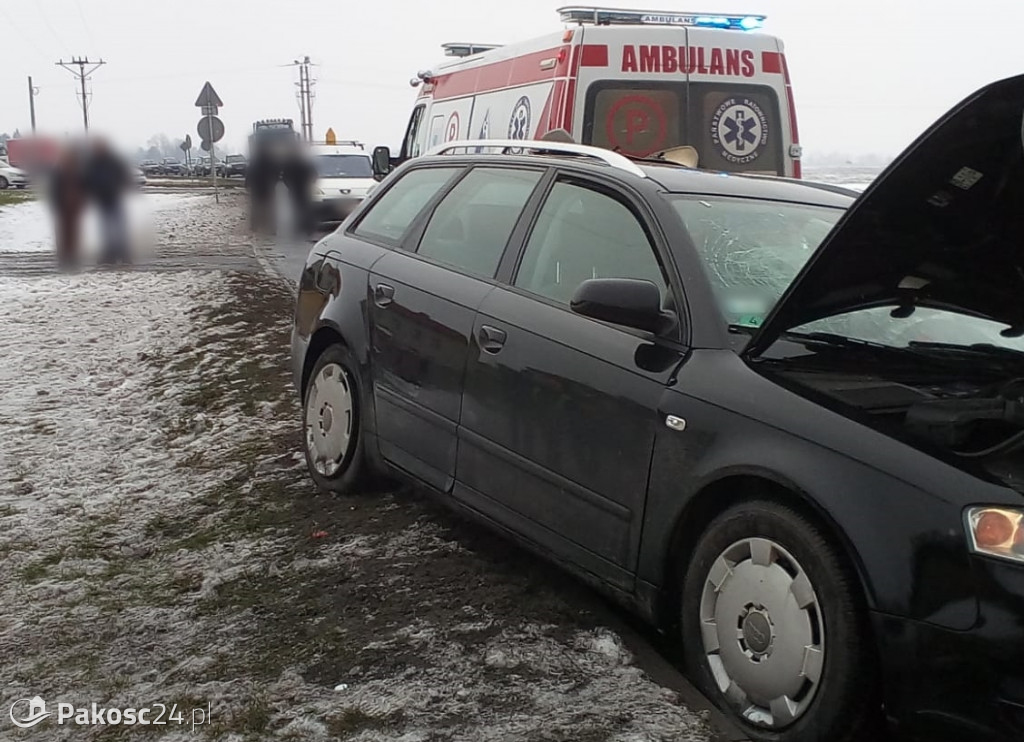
637 82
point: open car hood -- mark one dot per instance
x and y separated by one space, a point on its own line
943 226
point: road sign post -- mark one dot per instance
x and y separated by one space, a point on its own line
211 128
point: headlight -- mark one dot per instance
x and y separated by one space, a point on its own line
996 531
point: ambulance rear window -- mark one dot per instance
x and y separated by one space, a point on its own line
637 121
736 128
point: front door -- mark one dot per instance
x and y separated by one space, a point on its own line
560 411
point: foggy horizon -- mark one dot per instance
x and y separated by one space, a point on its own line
866 82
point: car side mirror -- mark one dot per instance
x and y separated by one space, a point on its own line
630 302
381 162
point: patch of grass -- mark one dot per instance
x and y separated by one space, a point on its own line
12 196
252 718
354 720
40 569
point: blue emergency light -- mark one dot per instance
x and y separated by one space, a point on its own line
627 17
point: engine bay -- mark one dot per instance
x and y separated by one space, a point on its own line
980 419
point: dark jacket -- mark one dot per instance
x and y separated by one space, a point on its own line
106 179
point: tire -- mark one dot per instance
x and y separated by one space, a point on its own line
4 185
335 459
769 588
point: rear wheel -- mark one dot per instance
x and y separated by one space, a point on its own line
773 628
4 184
332 431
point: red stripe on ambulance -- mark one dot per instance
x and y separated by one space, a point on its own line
506 74
594 55
771 62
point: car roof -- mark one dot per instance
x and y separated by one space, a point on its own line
672 178
679 179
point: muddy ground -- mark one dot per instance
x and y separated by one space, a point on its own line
162 543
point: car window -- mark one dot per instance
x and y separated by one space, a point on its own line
581 234
395 210
471 226
752 250
344 166
411 145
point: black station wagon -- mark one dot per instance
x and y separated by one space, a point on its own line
780 420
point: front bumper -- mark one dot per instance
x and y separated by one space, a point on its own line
300 345
966 686
335 209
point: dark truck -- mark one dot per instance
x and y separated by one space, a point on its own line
269 131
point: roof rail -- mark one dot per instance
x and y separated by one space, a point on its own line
628 17
340 143
460 49
605 155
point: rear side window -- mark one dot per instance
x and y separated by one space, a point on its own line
581 234
391 215
471 226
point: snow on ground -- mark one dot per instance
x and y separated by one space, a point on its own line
28 227
161 543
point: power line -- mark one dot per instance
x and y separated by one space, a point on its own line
46 20
21 34
82 74
85 23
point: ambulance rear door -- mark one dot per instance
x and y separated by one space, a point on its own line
631 88
740 117
647 88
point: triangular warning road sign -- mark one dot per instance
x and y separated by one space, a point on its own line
208 97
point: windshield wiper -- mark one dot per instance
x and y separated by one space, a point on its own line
975 350
833 340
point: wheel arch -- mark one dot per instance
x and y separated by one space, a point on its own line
723 492
324 337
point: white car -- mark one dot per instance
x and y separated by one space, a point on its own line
345 179
12 177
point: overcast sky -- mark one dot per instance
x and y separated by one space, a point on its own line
868 75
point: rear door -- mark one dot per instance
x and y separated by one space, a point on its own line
424 298
560 411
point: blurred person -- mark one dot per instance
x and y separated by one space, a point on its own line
261 178
68 200
107 180
300 175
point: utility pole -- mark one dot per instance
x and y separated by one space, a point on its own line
305 96
32 93
82 74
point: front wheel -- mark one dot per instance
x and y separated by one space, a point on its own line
4 184
331 423
774 630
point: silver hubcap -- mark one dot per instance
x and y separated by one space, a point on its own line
329 419
762 632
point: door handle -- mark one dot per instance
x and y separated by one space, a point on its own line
491 338
383 294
